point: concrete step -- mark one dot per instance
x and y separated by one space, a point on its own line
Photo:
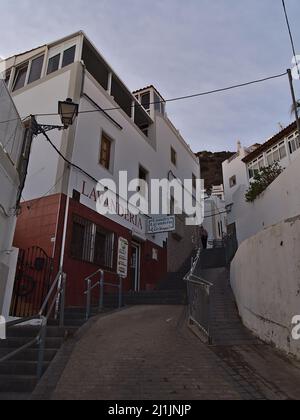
17 383
73 322
31 331
14 396
29 355
21 368
17 342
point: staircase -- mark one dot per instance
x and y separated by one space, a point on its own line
18 376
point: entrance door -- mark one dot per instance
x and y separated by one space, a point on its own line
135 267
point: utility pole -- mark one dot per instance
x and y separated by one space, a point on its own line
295 103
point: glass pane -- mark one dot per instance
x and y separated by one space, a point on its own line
7 77
53 64
270 159
282 152
261 164
276 156
69 56
146 100
20 77
157 104
36 69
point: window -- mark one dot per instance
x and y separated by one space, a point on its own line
103 249
36 69
78 235
159 106
53 64
294 143
282 150
145 129
256 166
232 181
145 101
143 176
105 152
7 78
194 181
92 243
20 78
69 56
173 156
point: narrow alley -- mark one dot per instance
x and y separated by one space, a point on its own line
149 353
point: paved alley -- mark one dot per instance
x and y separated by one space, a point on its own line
148 353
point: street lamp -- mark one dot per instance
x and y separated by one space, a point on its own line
68 112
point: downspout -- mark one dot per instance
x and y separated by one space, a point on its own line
67 208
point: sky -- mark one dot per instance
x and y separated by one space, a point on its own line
182 47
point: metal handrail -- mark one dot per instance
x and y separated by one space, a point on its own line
101 284
40 339
193 280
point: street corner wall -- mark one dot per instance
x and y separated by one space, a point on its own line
265 277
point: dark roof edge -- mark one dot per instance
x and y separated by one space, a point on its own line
279 136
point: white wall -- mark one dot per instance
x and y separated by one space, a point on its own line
11 140
42 98
214 214
279 202
265 277
234 167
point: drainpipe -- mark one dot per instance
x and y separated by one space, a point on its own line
63 243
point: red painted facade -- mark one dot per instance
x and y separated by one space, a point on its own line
41 223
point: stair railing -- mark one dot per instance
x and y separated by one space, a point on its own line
54 298
199 293
100 283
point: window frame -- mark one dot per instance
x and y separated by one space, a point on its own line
28 63
63 56
88 244
30 68
174 155
48 62
109 140
231 183
22 66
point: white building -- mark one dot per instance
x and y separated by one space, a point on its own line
133 134
215 221
239 171
12 134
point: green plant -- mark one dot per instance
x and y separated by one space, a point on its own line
262 180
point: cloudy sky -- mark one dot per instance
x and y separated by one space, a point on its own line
182 47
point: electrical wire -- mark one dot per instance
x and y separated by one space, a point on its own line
31 207
2 208
181 98
291 35
73 165
216 214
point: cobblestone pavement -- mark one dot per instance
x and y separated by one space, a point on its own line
148 353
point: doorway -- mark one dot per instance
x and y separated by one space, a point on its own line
135 267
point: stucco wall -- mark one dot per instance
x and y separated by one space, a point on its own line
279 202
265 277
